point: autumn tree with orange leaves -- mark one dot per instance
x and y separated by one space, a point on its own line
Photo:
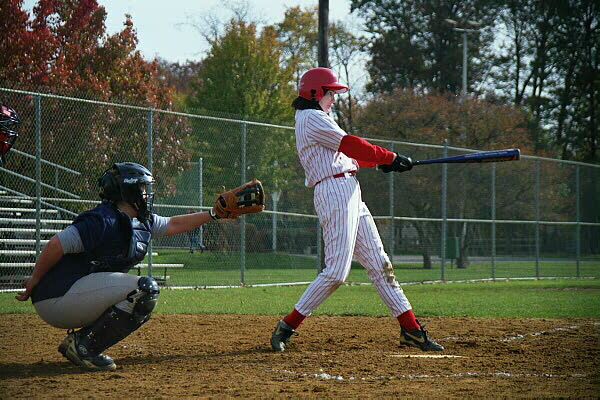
406 115
63 48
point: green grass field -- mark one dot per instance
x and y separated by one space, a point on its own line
514 299
210 269
538 298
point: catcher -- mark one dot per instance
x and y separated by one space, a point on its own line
80 278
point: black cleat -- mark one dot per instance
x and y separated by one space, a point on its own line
418 338
281 334
79 355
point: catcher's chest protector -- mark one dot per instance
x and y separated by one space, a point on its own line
138 236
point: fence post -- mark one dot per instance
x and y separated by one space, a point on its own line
577 219
38 175
200 201
243 218
275 197
391 210
493 206
444 216
150 128
320 248
537 218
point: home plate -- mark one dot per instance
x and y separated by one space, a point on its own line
424 356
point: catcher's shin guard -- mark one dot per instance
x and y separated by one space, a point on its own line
115 324
112 327
85 347
281 335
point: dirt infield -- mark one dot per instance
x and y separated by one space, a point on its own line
226 356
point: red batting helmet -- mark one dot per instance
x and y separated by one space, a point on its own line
317 81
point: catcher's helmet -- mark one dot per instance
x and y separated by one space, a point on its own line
8 118
317 81
129 182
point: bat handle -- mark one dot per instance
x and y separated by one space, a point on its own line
422 162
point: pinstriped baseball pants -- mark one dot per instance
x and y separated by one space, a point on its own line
349 231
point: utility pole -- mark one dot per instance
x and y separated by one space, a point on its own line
462 261
323 52
474 28
323 55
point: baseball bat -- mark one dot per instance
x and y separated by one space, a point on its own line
481 157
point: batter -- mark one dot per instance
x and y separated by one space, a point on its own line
331 158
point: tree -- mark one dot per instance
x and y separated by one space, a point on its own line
408 115
346 48
525 70
298 37
414 47
576 96
64 50
549 64
178 76
242 75
551 67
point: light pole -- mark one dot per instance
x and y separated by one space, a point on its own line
323 45
473 28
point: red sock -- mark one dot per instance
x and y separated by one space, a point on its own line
408 321
294 319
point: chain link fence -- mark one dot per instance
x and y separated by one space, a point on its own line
533 218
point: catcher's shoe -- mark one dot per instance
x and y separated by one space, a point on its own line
418 338
281 334
79 355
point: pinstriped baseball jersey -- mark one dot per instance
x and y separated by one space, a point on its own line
318 138
348 227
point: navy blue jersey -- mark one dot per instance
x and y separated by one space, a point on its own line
105 233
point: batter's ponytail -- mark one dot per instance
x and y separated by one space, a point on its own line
300 103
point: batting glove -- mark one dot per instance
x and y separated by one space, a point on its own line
400 164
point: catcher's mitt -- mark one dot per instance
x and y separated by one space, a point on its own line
248 198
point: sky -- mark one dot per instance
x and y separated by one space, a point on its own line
165 28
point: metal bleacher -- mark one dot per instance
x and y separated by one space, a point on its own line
24 231
18 236
27 220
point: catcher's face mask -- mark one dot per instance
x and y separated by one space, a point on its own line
8 118
130 182
140 197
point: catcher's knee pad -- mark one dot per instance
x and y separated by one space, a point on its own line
144 298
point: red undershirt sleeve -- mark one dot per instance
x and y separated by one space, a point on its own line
368 155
